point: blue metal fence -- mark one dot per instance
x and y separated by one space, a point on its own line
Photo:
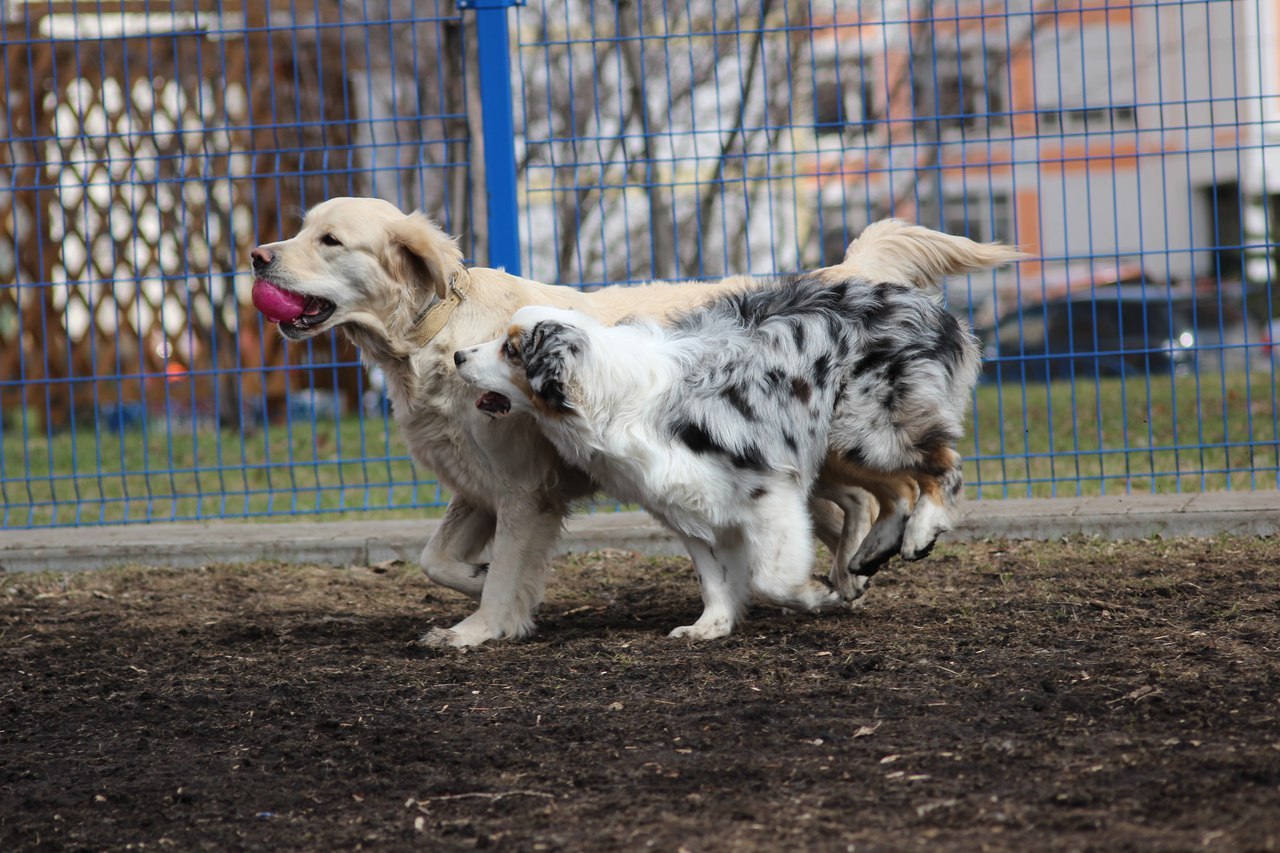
149 145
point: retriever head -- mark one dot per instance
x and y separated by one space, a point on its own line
358 263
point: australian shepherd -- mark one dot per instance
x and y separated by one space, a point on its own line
720 422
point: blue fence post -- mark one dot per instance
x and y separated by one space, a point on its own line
499 130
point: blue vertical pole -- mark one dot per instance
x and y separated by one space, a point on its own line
499 130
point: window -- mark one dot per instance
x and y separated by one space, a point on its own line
979 217
842 97
970 90
1093 79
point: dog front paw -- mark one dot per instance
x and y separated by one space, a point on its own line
852 587
927 523
914 554
880 546
440 638
858 590
699 631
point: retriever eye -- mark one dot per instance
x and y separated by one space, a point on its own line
330 240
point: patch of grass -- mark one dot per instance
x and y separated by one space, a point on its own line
180 472
1094 436
1103 436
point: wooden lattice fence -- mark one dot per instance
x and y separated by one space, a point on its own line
149 147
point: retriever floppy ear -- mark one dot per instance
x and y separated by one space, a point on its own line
546 351
419 253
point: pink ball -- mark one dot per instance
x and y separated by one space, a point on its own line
276 303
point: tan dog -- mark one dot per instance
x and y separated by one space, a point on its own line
396 285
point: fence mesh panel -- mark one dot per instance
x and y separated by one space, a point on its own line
1124 145
148 146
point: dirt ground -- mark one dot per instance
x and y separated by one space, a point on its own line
1067 696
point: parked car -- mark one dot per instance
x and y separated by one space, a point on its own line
1130 330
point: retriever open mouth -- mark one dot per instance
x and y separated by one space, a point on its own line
493 403
295 312
315 310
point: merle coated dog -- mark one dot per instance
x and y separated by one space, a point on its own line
720 423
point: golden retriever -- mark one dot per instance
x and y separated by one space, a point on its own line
396 285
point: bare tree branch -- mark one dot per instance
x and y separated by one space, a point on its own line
922 50
708 199
567 213
661 224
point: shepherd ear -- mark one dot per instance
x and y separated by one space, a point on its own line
547 350
419 253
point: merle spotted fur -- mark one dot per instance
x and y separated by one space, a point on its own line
879 373
720 423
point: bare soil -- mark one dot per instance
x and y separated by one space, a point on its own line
1066 696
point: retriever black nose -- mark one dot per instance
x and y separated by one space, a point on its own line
261 256
458 358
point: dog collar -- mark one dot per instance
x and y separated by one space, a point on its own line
437 315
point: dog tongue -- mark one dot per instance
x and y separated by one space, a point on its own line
279 305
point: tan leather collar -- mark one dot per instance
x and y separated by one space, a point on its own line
434 320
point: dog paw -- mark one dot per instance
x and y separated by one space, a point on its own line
808 597
919 540
460 636
702 632
847 585
927 523
440 638
881 544
820 596
864 565
854 588
914 554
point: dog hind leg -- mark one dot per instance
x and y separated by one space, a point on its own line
828 520
778 541
452 556
857 506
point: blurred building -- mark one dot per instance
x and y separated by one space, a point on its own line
684 140
1090 133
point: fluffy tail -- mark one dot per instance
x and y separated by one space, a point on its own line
897 251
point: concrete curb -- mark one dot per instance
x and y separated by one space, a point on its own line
368 542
